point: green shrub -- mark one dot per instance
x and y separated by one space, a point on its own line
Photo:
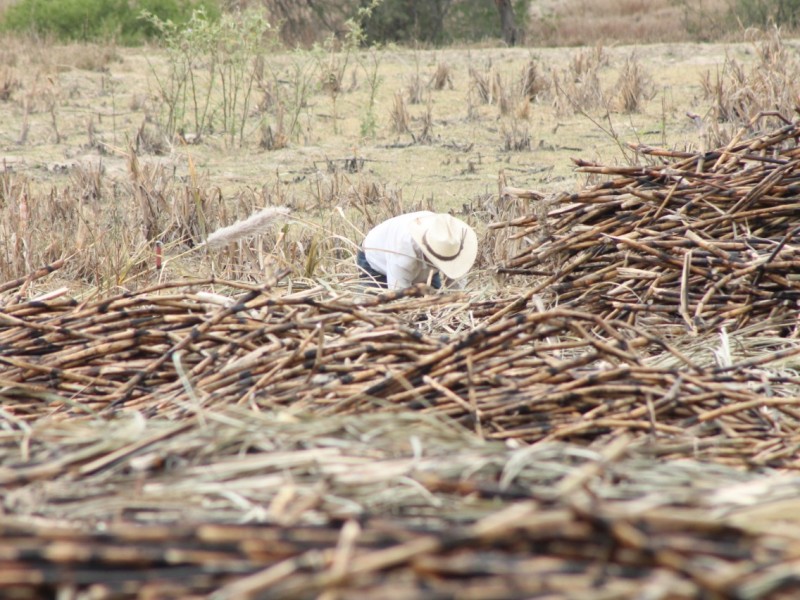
406 20
437 21
99 20
760 13
213 68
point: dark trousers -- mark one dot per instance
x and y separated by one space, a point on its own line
378 279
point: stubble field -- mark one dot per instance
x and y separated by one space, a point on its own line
67 127
605 408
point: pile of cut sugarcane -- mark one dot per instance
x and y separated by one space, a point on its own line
217 439
531 376
690 240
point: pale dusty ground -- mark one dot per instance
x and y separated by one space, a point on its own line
460 164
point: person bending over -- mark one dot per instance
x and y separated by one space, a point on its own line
415 248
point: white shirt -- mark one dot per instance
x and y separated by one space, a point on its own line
390 249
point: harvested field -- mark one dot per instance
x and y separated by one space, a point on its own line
609 407
250 442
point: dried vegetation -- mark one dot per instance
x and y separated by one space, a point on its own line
706 236
178 413
196 399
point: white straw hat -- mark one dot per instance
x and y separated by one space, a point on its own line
449 243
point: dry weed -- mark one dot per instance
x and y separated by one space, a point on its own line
151 138
268 88
15 227
516 137
109 241
90 57
399 115
501 94
585 22
634 86
331 76
9 83
99 239
138 102
425 136
273 140
509 204
269 138
578 88
523 110
441 77
414 86
86 179
588 60
504 92
738 94
481 84
532 83
25 126
573 96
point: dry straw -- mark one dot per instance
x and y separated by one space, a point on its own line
691 240
256 224
227 440
516 374
289 445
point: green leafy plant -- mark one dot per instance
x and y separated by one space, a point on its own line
239 40
783 13
332 67
370 63
214 65
436 21
286 95
186 88
335 57
100 20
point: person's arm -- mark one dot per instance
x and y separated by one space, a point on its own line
397 275
403 263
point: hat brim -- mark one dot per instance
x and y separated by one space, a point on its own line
457 266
